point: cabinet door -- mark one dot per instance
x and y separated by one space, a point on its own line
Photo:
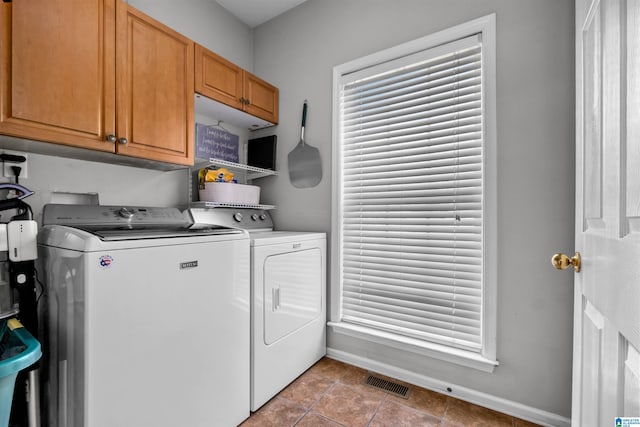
262 98
155 93
218 78
57 71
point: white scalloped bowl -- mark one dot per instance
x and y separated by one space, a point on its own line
230 193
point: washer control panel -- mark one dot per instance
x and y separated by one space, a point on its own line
105 217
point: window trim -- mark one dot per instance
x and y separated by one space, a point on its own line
486 359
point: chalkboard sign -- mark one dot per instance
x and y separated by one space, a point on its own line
211 141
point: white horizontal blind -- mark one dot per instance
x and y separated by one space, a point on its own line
412 195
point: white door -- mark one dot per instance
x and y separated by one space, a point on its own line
606 366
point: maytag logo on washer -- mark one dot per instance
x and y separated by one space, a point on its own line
188 264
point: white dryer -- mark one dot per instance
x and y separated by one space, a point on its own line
289 309
288 298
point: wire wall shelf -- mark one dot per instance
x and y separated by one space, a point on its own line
252 171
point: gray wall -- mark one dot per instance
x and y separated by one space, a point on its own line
535 96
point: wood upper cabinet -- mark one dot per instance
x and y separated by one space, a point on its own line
261 98
217 78
154 89
225 82
57 71
94 74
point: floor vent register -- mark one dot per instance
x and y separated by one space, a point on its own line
387 386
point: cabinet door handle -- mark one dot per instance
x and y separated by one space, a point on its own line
123 141
111 138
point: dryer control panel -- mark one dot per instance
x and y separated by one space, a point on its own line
245 219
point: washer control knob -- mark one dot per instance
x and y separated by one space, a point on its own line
254 217
237 217
125 213
263 217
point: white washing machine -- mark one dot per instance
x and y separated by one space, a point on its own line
288 298
147 321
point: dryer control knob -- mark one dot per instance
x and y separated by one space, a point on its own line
263 217
237 217
254 217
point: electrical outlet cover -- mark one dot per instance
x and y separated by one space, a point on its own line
8 172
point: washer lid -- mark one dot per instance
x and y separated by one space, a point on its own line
155 233
74 238
115 223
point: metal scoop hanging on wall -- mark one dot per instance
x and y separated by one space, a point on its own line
305 166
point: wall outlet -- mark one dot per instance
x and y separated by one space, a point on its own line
8 171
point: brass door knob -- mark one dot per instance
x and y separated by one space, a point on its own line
561 261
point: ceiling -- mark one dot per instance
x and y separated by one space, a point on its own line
256 12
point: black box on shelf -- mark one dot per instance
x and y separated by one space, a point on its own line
261 152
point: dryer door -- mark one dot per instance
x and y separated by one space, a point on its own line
292 292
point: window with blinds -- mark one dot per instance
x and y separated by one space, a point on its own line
410 149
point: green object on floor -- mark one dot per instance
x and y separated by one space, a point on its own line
18 350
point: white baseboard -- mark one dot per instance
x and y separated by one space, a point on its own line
499 404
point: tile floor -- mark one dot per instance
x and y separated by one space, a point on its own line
332 394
